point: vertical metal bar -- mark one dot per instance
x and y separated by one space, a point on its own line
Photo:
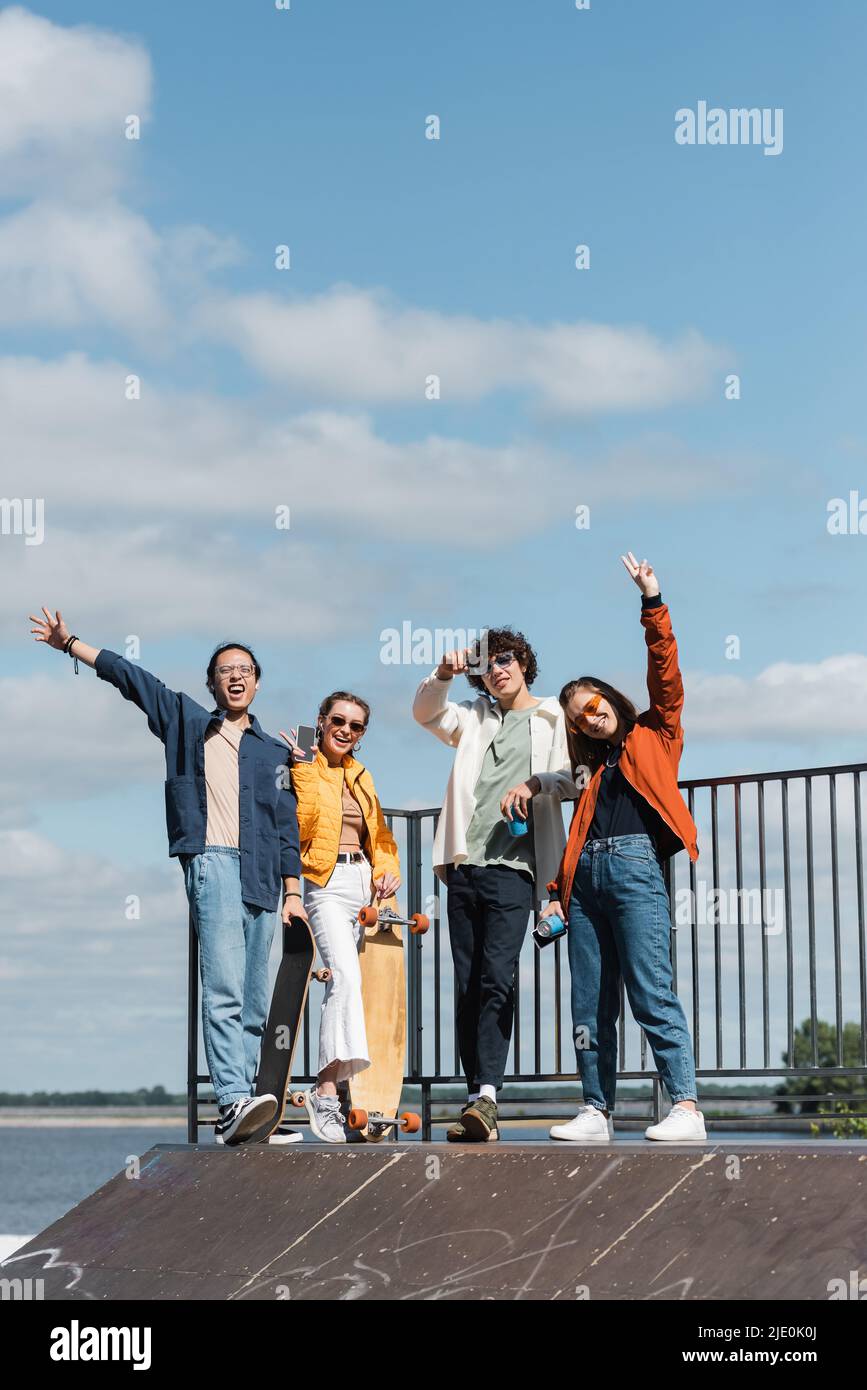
457 1046
835 910
426 1126
811 914
537 1005
413 854
862 942
766 1025
558 1032
409 941
717 962
437 973
657 1100
787 889
192 1034
693 921
516 1026
739 883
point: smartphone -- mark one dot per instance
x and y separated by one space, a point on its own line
306 740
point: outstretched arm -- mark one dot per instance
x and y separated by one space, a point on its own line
55 633
664 681
153 698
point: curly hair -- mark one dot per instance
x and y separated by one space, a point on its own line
505 639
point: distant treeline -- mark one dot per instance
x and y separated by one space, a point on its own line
159 1096
155 1096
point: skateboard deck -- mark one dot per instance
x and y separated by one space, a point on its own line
375 1092
284 1020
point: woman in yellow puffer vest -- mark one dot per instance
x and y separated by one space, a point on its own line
348 855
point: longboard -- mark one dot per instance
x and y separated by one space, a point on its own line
375 1092
284 1020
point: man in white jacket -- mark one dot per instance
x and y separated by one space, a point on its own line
511 765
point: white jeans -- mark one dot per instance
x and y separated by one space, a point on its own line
333 914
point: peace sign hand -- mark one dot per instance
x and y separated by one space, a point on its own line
642 574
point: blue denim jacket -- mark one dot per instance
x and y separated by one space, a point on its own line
267 804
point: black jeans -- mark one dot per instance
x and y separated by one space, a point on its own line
489 910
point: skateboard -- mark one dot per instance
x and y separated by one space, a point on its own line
375 1092
284 1019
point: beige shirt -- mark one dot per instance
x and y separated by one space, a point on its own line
222 742
352 828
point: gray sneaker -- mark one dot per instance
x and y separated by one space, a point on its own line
326 1119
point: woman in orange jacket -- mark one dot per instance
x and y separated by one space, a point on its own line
610 887
348 855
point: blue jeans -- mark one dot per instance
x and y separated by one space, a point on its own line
620 924
234 946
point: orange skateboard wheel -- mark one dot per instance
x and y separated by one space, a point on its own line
357 1119
298 1098
368 916
420 924
410 1122
323 976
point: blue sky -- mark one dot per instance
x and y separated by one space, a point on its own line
409 256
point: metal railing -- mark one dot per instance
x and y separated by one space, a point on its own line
769 930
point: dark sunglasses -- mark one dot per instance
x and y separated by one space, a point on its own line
352 725
501 659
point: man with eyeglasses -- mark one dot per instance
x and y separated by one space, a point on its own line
511 766
231 820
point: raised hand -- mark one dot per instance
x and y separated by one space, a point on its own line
298 754
454 664
642 574
51 630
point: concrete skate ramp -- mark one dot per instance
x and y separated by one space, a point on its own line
420 1221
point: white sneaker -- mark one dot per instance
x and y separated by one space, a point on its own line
326 1121
588 1127
680 1126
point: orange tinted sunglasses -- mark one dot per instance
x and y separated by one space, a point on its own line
589 710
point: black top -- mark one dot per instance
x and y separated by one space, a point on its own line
620 809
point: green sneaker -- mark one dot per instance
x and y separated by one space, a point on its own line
479 1121
456 1134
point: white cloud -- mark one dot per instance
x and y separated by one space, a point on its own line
66 266
75 738
788 700
65 93
156 581
77 256
353 344
73 439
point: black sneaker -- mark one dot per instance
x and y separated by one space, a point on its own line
479 1121
241 1119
